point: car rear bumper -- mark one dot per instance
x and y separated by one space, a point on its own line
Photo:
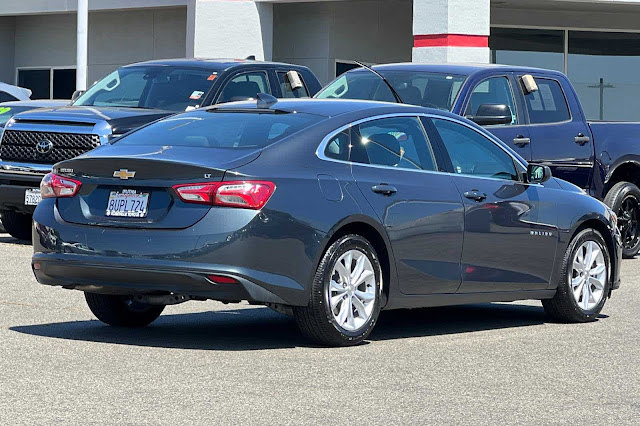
12 189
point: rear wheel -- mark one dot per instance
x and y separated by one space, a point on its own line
345 294
122 311
584 280
18 225
624 200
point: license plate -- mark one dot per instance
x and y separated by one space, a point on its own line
32 197
127 203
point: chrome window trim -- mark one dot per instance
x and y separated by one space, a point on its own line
323 144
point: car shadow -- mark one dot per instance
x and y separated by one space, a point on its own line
261 328
9 239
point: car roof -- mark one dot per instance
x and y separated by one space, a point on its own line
454 68
213 64
333 107
36 103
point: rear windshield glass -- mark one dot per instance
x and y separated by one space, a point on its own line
233 130
433 90
156 87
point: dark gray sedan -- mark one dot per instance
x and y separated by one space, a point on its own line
330 210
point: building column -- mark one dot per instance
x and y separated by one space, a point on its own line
229 29
451 31
81 44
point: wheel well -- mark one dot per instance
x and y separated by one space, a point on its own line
606 234
628 172
373 236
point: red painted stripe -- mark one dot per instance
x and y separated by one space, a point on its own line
456 40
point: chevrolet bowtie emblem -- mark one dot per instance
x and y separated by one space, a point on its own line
123 174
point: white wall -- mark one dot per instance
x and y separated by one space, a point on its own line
316 34
115 39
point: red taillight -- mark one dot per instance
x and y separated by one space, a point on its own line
245 194
222 279
54 186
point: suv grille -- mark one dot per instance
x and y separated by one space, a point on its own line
21 146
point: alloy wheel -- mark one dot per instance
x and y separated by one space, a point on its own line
588 275
628 221
352 290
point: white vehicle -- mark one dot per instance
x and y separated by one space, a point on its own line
13 93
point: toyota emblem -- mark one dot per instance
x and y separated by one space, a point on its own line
44 146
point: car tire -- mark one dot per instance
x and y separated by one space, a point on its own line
578 298
624 200
341 312
18 225
121 311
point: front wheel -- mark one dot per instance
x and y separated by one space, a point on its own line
345 295
122 311
18 225
624 200
584 280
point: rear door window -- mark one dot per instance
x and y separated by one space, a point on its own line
392 142
244 86
548 104
286 88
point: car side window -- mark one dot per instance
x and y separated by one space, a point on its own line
287 90
392 142
472 153
244 86
492 91
547 104
338 146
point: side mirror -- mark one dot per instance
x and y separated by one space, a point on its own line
537 173
489 114
77 94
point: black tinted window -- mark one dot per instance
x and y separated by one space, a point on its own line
288 91
234 130
5 97
392 142
473 154
338 147
547 104
492 91
245 86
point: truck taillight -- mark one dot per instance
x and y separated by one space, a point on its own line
54 186
244 194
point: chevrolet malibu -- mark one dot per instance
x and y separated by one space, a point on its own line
330 210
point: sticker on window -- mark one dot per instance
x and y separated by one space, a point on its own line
197 94
4 110
212 76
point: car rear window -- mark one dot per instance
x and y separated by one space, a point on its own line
215 129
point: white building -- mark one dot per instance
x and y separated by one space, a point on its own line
596 42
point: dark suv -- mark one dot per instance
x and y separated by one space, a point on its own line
127 98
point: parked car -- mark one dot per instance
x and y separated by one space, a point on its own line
13 93
330 210
8 110
127 98
536 112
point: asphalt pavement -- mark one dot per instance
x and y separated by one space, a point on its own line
210 363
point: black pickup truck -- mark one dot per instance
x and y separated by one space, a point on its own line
127 98
534 111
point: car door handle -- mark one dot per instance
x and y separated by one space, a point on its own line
521 141
475 195
581 139
384 189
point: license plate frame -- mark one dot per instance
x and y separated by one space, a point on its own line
127 203
32 196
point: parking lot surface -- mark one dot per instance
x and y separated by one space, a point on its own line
205 363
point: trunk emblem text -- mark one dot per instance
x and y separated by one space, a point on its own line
123 174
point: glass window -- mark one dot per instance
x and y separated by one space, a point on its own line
245 86
157 87
526 47
434 90
287 91
220 129
5 97
472 153
495 90
38 81
392 142
547 104
64 83
338 147
603 69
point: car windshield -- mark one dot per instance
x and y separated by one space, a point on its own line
216 129
6 112
433 90
155 87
